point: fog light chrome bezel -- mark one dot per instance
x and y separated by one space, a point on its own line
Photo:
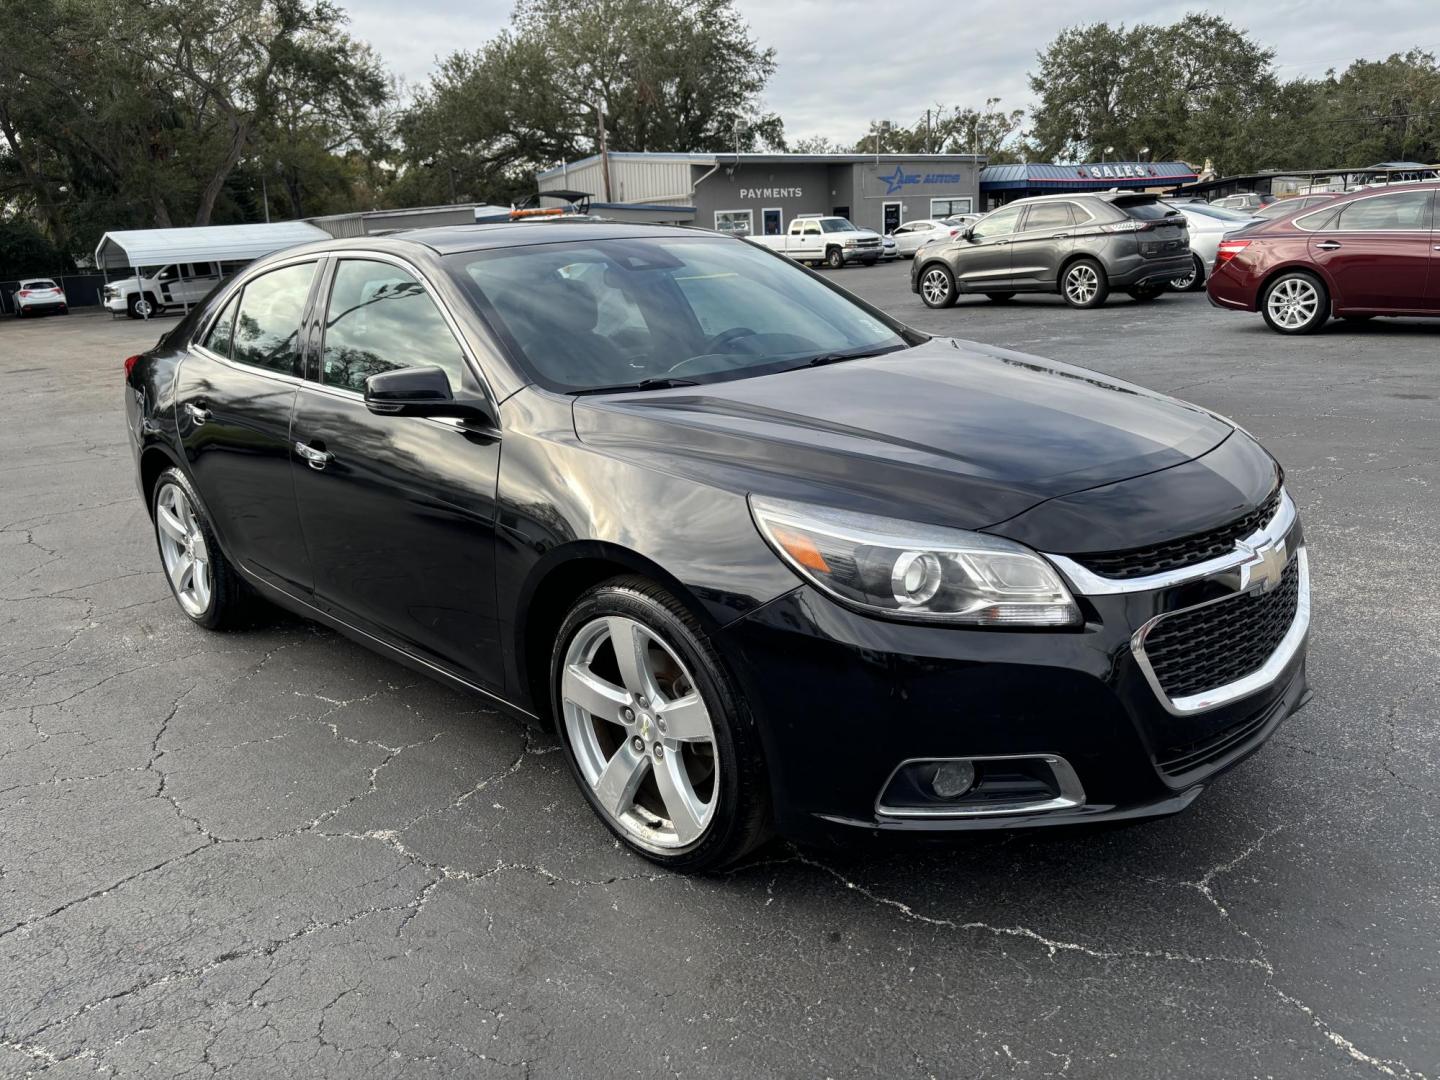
1070 793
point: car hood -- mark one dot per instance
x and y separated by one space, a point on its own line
950 432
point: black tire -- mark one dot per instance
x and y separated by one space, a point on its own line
1146 293
1000 297
834 258
132 307
741 818
937 286
1310 294
230 599
1084 284
1195 282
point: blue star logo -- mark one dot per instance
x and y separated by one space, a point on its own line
897 180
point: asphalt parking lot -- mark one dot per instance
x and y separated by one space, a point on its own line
273 853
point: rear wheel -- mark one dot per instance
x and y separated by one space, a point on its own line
1084 284
1295 303
1191 281
654 729
834 258
937 286
204 584
1000 297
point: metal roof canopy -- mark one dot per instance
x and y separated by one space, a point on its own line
202 243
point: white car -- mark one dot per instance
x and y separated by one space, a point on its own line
888 251
1208 224
913 235
37 295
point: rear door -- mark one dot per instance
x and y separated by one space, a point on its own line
1161 231
398 512
1377 251
234 394
1044 239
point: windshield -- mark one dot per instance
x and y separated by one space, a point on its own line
837 224
612 313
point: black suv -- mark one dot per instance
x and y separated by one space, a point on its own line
1080 246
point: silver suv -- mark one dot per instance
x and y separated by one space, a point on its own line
1080 246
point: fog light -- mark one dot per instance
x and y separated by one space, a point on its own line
953 778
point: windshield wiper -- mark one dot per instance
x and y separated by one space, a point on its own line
643 384
839 357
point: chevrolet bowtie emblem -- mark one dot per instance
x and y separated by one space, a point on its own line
1265 568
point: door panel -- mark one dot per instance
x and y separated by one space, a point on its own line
1378 251
399 518
1046 237
234 423
983 261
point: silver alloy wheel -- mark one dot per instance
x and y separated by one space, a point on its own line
1081 283
644 744
143 308
183 550
935 285
1181 284
1293 302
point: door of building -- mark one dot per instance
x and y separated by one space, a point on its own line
841 211
771 221
891 217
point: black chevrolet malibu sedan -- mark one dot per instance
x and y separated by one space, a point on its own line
765 557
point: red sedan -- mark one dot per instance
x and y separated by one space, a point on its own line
1372 252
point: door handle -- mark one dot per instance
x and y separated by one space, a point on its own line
1061 236
199 414
1328 245
317 458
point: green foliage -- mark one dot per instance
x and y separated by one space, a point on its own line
116 115
25 252
1202 88
992 132
666 75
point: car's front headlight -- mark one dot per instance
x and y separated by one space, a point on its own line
911 571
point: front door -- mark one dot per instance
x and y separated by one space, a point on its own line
1378 252
892 217
771 221
398 512
234 394
984 259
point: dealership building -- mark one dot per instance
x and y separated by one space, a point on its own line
762 193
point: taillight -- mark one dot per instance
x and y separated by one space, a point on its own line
130 364
1128 225
954 233
1229 249
24 292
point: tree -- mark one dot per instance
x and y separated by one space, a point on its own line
991 132
654 74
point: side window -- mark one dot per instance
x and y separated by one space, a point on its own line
267 330
170 273
381 318
1404 210
1048 216
220 335
1000 223
812 228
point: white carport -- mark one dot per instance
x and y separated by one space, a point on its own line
201 243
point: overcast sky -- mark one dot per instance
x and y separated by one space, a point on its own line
845 62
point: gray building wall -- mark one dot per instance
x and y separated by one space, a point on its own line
860 190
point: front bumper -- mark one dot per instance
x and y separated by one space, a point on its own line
842 699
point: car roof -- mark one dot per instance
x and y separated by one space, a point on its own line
33 280
448 240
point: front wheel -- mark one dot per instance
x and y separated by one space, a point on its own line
1295 303
656 734
203 582
1084 284
834 258
937 286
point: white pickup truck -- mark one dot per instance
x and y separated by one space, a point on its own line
178 285
819 238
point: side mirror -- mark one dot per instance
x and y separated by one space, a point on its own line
969 233
422 391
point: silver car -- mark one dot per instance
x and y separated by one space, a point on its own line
913 235
1080 246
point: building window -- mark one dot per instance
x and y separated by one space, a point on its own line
735 222
943 208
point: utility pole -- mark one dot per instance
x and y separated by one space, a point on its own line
604 150
265 196
927 131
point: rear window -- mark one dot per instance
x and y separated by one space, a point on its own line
1144 209
40 283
